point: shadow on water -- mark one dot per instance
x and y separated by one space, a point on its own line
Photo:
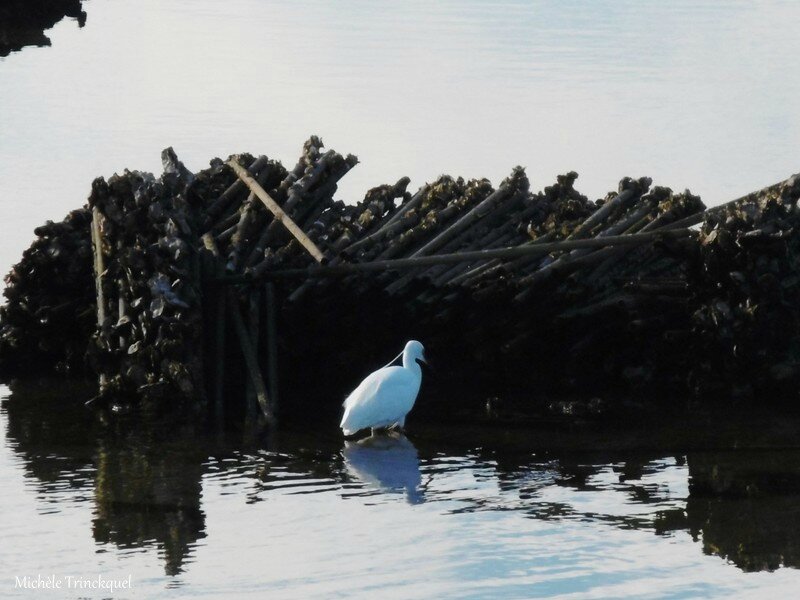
146 481
23 22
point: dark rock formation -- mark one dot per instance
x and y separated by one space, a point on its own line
23 22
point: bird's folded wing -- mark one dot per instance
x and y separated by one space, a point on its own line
366 389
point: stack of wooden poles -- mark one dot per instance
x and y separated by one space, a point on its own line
504 278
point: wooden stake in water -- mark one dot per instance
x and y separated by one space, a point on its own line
218 343
99 270
253 324
272 343
250 359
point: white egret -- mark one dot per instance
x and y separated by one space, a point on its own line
384 398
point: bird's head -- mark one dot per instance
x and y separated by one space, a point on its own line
415 351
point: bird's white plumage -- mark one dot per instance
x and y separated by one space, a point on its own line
386 396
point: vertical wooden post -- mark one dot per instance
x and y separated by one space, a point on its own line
122 310
253 323
250 359
272 343
99 269
217 354
208 288
220 300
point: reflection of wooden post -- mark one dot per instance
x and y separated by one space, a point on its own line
99 270
272 344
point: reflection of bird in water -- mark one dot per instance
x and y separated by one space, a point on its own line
384 398
387 462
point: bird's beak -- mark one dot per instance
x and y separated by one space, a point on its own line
425 360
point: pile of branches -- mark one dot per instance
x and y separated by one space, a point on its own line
23 22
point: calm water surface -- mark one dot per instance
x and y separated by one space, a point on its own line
307 515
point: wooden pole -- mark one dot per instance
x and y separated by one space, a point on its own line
250 358
220 355
276 210
474 214
600 215
221 203
122 310
272 344
254 322
402 210
99 270
530 249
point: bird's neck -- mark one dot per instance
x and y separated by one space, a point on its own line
411 364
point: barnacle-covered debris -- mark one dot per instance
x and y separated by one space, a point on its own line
149 339
746 288
49 310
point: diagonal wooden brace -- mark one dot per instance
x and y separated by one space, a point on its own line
276 210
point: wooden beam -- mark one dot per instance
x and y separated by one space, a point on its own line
99 270
276 210
529 249
220 356
228 196
401 211
250 358
253 323
272 343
